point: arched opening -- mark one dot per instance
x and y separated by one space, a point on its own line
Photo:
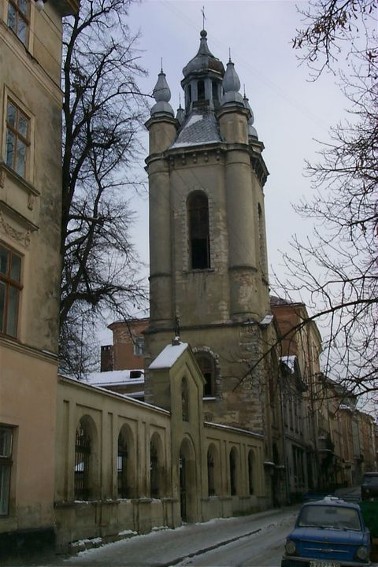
199 239
201 90
125 464
188 482
207 366
212 471
156 467
84 473
233 471
250 472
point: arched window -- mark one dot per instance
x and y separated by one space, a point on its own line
206 363
199 240
156 469
233 471
185 399
83 446
123 467
250 472
211 471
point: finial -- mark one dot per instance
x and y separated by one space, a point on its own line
229 54
177 327
203 17
161 64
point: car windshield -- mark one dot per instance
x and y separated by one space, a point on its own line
326 516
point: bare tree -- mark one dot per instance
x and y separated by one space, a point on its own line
336 270
103 109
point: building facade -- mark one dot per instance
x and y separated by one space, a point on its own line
30 196
126 466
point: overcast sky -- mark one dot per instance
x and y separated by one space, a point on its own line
290 111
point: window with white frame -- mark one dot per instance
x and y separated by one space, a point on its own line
10 290
6 447
19 18
17 138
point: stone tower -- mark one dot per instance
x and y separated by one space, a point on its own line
208 260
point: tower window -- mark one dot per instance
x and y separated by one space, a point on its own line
206 363
201 90
215 92
199 241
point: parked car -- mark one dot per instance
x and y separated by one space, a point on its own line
369 485
328 533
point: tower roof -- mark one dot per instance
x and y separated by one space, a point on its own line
204 61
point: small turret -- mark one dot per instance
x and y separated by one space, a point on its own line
162 125
231 86
252 132
162 96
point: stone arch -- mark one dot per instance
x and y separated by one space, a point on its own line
209 366
188 481
126 465
234 471
251 467
157 486
86 485
213 468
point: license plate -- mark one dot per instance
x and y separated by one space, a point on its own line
322 563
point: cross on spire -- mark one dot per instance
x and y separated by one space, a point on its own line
203 17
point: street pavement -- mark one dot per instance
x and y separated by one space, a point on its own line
164 547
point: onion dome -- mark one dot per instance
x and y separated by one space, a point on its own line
204 60
252 132
231 86
162 96
180 115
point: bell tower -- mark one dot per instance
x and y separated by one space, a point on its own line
208 260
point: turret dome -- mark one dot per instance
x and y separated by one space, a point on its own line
202 80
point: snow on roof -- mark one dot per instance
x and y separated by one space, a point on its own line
289 361
168 356
115 377
198 130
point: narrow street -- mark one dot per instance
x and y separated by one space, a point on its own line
251 540
255 540
263 548
245 541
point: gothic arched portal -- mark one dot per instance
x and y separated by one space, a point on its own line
188 482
